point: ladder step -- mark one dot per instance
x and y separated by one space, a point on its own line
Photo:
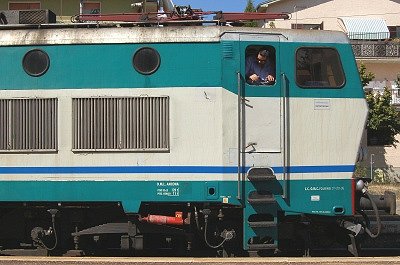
261 200
257 178
262 224
257 198
261 174
262 246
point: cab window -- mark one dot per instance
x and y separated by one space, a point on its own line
260 65
319 68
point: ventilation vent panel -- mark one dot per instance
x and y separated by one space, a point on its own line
227 50
121 124
28 125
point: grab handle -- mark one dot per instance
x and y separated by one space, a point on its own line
239 120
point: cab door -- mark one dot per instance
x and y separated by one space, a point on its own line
261 102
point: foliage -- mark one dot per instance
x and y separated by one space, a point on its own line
383 121
365 76
250 8
272 25
360 171
397 81
379 176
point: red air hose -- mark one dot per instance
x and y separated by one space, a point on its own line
164 220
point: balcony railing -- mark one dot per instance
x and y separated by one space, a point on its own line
375 44
369 35
374 49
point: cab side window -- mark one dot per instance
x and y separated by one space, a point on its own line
319 68
260 65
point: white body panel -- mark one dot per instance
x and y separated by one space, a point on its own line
263 125
203 132
325 136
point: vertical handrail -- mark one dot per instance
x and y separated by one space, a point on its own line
285 136
239 102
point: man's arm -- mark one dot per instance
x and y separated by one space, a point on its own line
271 73
249 68
250 72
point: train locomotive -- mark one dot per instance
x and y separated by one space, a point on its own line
151 141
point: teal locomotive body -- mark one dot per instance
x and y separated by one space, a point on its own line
151 138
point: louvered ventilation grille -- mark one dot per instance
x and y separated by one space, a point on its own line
32 17
121 124
28 125
227 50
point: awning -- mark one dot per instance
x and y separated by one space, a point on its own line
262 7
365 28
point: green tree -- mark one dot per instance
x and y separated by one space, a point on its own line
365 76
383 119
383 122
250 8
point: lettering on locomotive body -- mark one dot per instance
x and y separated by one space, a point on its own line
321 212
169 189
326 188
322 104
167 184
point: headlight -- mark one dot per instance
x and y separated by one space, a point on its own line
360 185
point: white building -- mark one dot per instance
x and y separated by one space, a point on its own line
374 28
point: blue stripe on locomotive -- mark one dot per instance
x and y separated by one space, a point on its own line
182 65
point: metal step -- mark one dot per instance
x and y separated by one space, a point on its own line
260 174
257 198
258 178
262 246
262 224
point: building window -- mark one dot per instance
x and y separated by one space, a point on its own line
23 5
28 125
319 68
394 31
138 124
308 26
260 65
91 8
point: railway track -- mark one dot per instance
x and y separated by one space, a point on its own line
197 261
369 255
